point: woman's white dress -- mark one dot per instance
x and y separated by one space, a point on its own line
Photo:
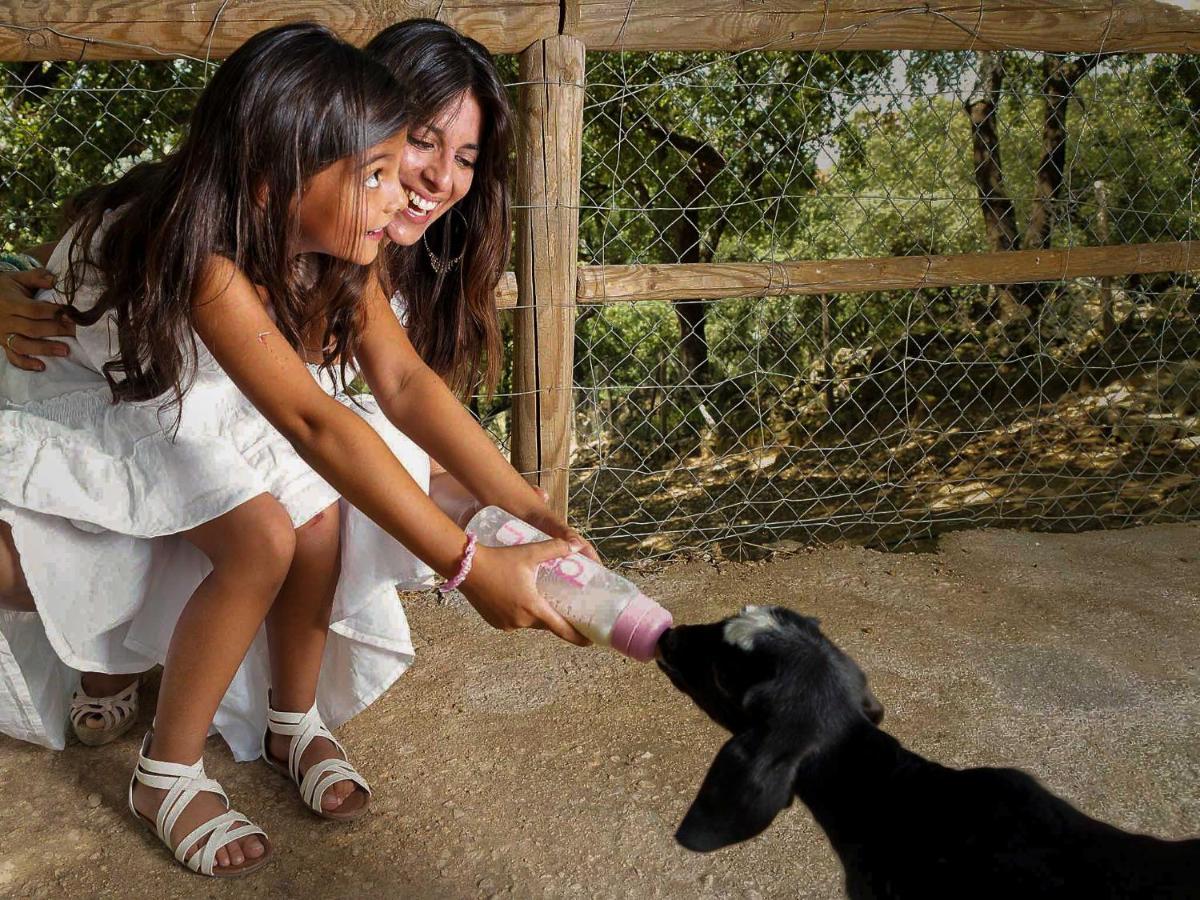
97 494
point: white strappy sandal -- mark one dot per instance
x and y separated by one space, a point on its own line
303 728
182 784
117 713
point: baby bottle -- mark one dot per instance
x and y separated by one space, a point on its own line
603 606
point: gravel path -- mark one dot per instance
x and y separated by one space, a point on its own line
515 765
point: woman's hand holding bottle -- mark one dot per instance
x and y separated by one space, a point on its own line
545 520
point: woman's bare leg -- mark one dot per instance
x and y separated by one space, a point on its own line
297 628
14 591
251 550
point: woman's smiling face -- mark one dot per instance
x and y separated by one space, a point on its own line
437 167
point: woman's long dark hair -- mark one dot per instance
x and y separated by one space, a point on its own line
452 319
285 105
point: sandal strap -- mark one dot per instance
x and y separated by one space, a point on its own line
220 831
304 728
323 775
111 709
182 784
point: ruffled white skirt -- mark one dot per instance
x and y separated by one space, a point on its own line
97 494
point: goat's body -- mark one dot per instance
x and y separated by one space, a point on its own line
803 722
905 827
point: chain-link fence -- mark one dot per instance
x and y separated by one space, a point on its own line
67 126
882 415
886 415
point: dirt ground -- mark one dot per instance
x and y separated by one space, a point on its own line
515 765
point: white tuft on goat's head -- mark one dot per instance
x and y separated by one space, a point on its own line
742 629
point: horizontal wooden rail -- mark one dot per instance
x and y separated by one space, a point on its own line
710 281
156 29
153 29
1058 25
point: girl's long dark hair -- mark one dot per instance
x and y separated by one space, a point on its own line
285 105
452 319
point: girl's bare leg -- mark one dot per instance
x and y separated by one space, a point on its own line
251 550
297 627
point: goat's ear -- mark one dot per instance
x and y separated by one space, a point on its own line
749 782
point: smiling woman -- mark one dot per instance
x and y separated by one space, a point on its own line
457 158
440 161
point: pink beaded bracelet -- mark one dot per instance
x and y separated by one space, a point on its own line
464 568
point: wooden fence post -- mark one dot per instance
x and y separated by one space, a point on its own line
549 158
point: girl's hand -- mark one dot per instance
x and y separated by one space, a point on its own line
29 320
502 587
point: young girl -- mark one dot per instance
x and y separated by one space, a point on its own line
196 501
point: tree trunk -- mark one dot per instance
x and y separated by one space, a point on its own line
1059 78
1107 323
704 164
1058 86
999 216
693 344
34 80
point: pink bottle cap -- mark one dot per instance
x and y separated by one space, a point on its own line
638 628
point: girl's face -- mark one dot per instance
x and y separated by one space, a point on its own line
346 207
437 168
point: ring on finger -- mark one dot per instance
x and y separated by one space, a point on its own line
8 340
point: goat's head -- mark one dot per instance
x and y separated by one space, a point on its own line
786 693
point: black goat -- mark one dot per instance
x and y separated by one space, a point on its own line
804 723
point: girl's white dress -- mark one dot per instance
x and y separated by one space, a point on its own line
97 494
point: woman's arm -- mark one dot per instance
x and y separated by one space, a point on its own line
346 452
418 402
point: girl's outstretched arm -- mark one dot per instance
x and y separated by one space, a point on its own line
233 324
418 402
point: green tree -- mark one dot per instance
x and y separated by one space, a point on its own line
71 125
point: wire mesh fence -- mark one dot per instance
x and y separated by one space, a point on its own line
68 126
889 415
884 416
